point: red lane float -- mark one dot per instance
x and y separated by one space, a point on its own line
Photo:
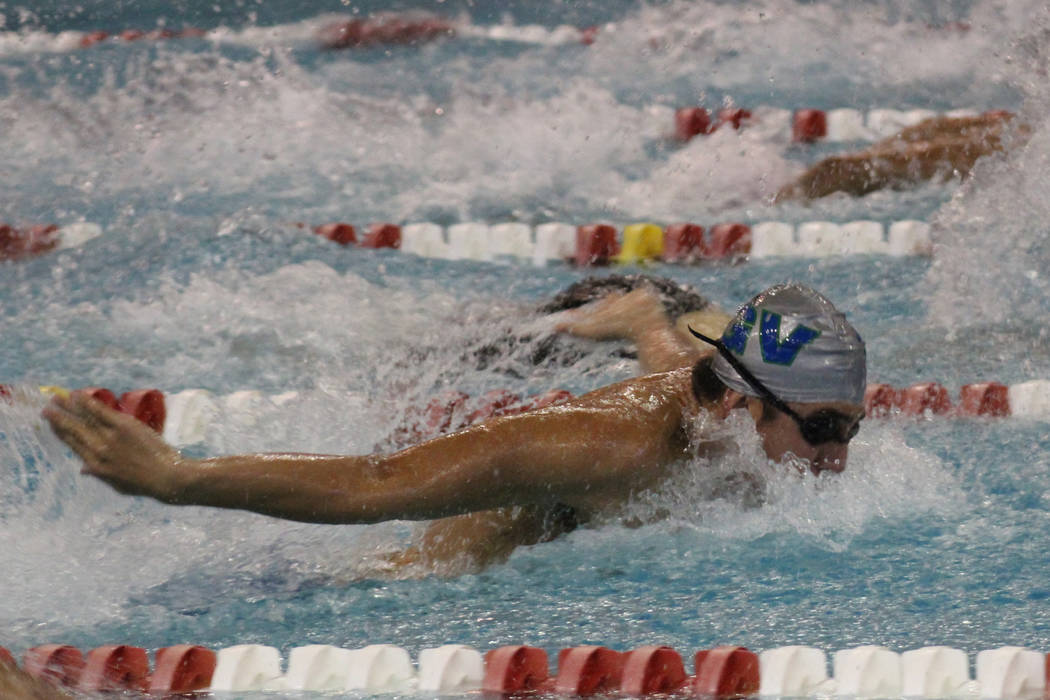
114 668
728 240
20 243
690 122
343 234
984 399
100 394
734 117
97 37
183 668
497 402
553 397
382 235
596 244
588 670
383 29
441 410
925 398
696 121
145 404
652 669
683 242
726 672
56 663
454 410
990 399
809 125
880 400
515 669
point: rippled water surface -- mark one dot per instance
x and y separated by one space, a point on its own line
198 156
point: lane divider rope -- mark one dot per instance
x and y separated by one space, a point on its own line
381 29
1004 673
806 125
185 418
592 244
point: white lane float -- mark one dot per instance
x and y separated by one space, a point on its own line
935 672
318 667
867 672
1011 673
793 671
380 668
247 667
452 668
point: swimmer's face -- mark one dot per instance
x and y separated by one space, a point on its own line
780 434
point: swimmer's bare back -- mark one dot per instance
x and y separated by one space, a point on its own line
937 148
598 448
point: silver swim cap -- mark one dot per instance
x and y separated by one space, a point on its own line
798 344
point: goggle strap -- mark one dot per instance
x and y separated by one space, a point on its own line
747 376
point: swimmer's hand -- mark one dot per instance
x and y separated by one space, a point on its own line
117 448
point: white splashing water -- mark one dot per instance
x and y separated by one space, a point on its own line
1002 210
884 479
185 125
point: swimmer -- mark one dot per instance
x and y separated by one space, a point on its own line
384 29
935 149
788 360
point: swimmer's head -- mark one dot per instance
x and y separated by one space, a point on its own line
798 345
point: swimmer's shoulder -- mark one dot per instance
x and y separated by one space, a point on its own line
671 385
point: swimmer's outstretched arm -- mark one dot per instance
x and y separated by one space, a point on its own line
603 441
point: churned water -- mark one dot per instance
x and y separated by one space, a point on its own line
198 155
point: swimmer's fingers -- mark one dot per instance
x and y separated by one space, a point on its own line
82 436
122 451
94 411
68 424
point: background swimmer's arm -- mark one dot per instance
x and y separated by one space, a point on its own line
555 455
975 127
637 316
932 148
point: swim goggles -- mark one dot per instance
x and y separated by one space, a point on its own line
820 427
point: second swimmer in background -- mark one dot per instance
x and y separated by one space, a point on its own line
935 149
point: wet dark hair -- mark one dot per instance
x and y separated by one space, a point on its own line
677 298
707 387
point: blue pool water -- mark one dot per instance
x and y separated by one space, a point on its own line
196 156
